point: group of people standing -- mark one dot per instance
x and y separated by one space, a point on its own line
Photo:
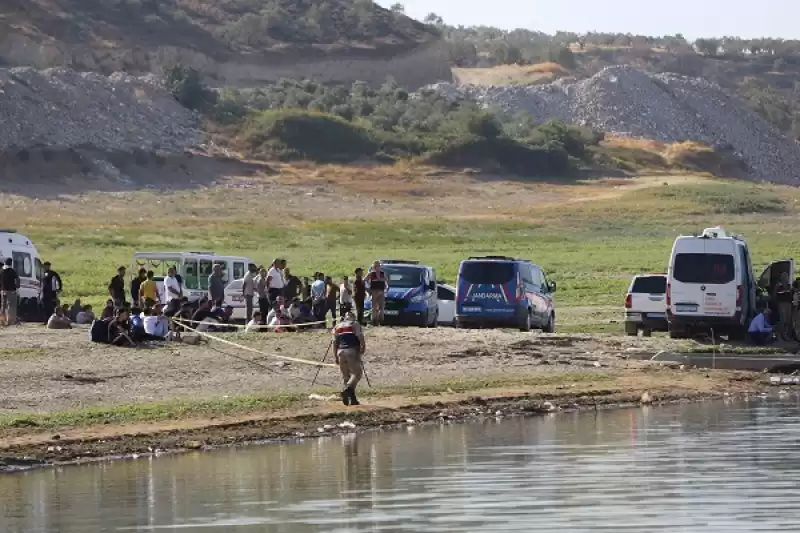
272 289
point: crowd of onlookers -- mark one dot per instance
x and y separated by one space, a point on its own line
145 309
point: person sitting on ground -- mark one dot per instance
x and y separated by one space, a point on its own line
86 316
75 309
278 306
254 324
294 310
202 319
222 316
108 310
156 325
279 317
58 320
66 310
760 331
137 325
118 333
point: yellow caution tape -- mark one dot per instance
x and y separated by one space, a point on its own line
247 348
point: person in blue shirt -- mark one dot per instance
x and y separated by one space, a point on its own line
760 331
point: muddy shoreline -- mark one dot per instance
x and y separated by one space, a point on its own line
121 442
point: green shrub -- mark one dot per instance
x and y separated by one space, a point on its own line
299 134
187 87
504 155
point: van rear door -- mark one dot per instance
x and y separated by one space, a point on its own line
703 280
487 288
772 274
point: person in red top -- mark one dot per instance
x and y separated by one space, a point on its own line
378 285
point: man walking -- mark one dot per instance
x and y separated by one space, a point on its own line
378 284
349 346
9 285
359 294
116 288
51 290
249 290
216 286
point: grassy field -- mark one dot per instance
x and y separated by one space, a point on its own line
591 239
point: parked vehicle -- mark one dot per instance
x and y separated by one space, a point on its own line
646 305
502 291
710 285
447 304
193 267
411 298
28 265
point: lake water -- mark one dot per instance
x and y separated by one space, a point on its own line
711 467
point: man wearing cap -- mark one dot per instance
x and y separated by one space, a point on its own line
349 346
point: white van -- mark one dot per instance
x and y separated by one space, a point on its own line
710 285
193 267
28 265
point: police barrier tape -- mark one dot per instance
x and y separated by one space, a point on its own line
240 326
247 348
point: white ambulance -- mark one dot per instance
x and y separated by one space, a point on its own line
710 285
28 265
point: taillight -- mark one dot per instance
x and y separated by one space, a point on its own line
738 297
628 301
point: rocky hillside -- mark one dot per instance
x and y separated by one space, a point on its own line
233 42
665 107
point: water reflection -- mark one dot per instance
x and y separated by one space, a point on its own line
708 467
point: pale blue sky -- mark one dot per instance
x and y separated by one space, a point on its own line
693 18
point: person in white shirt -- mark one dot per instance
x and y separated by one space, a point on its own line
249 290
254 324
155 323
275 281
172 289
345 296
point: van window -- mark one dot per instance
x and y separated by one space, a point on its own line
190 279
445 294
403 277
38 269
23 264
487 272
650 285
238 270
206 267
704 268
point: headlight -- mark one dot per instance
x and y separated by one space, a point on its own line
418 298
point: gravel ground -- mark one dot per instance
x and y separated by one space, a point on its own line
44 370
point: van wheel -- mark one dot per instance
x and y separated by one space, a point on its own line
435 322
550 327
631 329
526 324
647 333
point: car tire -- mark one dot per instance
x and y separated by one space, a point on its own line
631 329
435 322
526 324
647 332
677 334
550 327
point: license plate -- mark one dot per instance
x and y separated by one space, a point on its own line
391 312
237 298
633 316
656 315
472 309
686 308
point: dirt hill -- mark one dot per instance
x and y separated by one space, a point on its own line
233 42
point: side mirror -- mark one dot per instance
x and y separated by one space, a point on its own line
432 286
552 286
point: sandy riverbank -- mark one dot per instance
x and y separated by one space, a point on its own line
66 399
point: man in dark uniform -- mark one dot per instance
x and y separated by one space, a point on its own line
51 290
349 346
